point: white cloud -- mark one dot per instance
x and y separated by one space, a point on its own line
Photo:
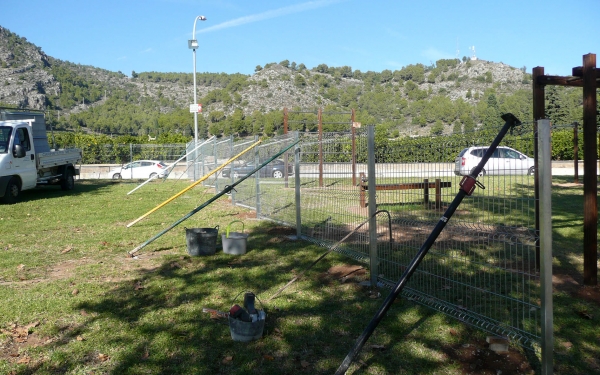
297 8
395 34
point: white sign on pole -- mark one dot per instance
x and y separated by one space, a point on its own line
195 108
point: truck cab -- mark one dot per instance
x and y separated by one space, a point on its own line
26 160
17 153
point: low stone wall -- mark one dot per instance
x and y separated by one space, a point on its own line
105 171
559 168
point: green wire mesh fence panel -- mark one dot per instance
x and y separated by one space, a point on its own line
328 197
271 190
482 268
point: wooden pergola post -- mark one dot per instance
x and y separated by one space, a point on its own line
586 76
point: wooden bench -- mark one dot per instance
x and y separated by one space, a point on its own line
425 186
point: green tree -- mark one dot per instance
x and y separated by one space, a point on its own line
456 127
437 128
491 113
299 80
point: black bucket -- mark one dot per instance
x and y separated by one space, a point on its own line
201 241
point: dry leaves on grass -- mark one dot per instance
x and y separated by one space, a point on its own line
20 333
227 360
103 357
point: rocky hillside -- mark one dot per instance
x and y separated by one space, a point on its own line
31 79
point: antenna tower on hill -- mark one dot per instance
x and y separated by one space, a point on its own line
473 57
457 50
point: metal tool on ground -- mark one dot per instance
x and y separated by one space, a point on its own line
467 186
335 246
226 190
216 170
217 313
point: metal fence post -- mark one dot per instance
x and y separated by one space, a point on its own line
374 260
545 185
231 179
257 178
297 187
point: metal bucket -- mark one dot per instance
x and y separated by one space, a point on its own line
201 241
247 331
234 243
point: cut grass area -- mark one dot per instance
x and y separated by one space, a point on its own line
73 302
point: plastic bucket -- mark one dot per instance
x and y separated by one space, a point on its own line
201 241
234 243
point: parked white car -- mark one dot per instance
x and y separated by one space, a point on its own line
140 169
504 161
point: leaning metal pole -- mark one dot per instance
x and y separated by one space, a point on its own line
225 190
467 186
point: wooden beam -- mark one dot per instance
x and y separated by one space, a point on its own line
559 81
590 177
578 72
539 113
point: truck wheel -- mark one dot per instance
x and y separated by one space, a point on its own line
68 182
11 195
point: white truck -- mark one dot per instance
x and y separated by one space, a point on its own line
26 160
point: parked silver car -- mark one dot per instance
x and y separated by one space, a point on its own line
140 169
504 161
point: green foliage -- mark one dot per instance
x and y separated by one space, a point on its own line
415 73
299 80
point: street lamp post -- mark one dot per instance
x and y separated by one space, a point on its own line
193 45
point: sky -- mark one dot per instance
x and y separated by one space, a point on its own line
238 36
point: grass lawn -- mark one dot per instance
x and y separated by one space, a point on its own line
74 302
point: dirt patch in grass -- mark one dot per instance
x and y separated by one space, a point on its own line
343 273
15 339
567 282
477 358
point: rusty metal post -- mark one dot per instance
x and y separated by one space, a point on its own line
320 119
285 156
590 177
576 153
353 148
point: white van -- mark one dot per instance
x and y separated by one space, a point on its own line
504 161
